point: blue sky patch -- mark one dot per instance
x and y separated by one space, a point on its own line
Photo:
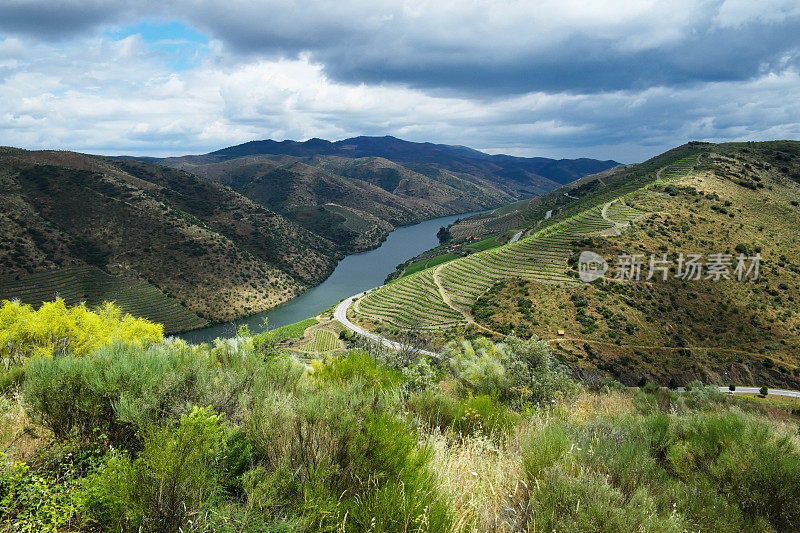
179 45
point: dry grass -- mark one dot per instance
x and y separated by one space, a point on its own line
483 479
19 437
589 406
479 478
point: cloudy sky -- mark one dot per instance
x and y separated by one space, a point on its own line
612 79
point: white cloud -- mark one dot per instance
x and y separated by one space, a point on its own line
306 73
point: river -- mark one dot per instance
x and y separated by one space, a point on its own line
355 273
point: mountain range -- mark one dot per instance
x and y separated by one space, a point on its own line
354 191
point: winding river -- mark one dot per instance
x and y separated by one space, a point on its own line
355 273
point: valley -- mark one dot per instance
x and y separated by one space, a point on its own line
355 191
188 250
399 267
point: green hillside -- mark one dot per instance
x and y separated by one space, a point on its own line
92 286
699 198
163 243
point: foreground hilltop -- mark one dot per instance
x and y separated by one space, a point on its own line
163 243
737 199
354 191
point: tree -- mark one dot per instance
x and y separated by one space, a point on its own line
763 391
443 235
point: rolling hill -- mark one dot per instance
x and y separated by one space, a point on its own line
731 199
355 191
163 243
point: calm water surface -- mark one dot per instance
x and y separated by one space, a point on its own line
353 274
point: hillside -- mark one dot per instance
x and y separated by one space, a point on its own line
353 192
696 199
165 244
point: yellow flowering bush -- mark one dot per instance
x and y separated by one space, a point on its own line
55 329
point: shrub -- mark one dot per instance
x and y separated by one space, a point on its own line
56 330
419 375
122 389
338 460
763 391
12 378
355 365
478 415
118 390
30 501
517 370
588 502
171 480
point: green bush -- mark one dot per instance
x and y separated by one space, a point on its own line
419 375
358 365
339 454
473 415
170 482
434 409
718 471
122 389
12 378
118 389
518 371
564 501
31 501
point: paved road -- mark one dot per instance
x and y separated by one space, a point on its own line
755 390
340 314
516 237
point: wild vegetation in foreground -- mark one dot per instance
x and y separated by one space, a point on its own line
491 437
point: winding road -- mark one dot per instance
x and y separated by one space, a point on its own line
340 314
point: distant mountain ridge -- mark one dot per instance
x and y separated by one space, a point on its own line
353 192
451 157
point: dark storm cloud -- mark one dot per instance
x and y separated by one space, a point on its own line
491 49
615 79
580 63
56 19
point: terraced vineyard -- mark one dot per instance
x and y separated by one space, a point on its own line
93 286
323 341
680 167
480 225
412 301
621 212
443 296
